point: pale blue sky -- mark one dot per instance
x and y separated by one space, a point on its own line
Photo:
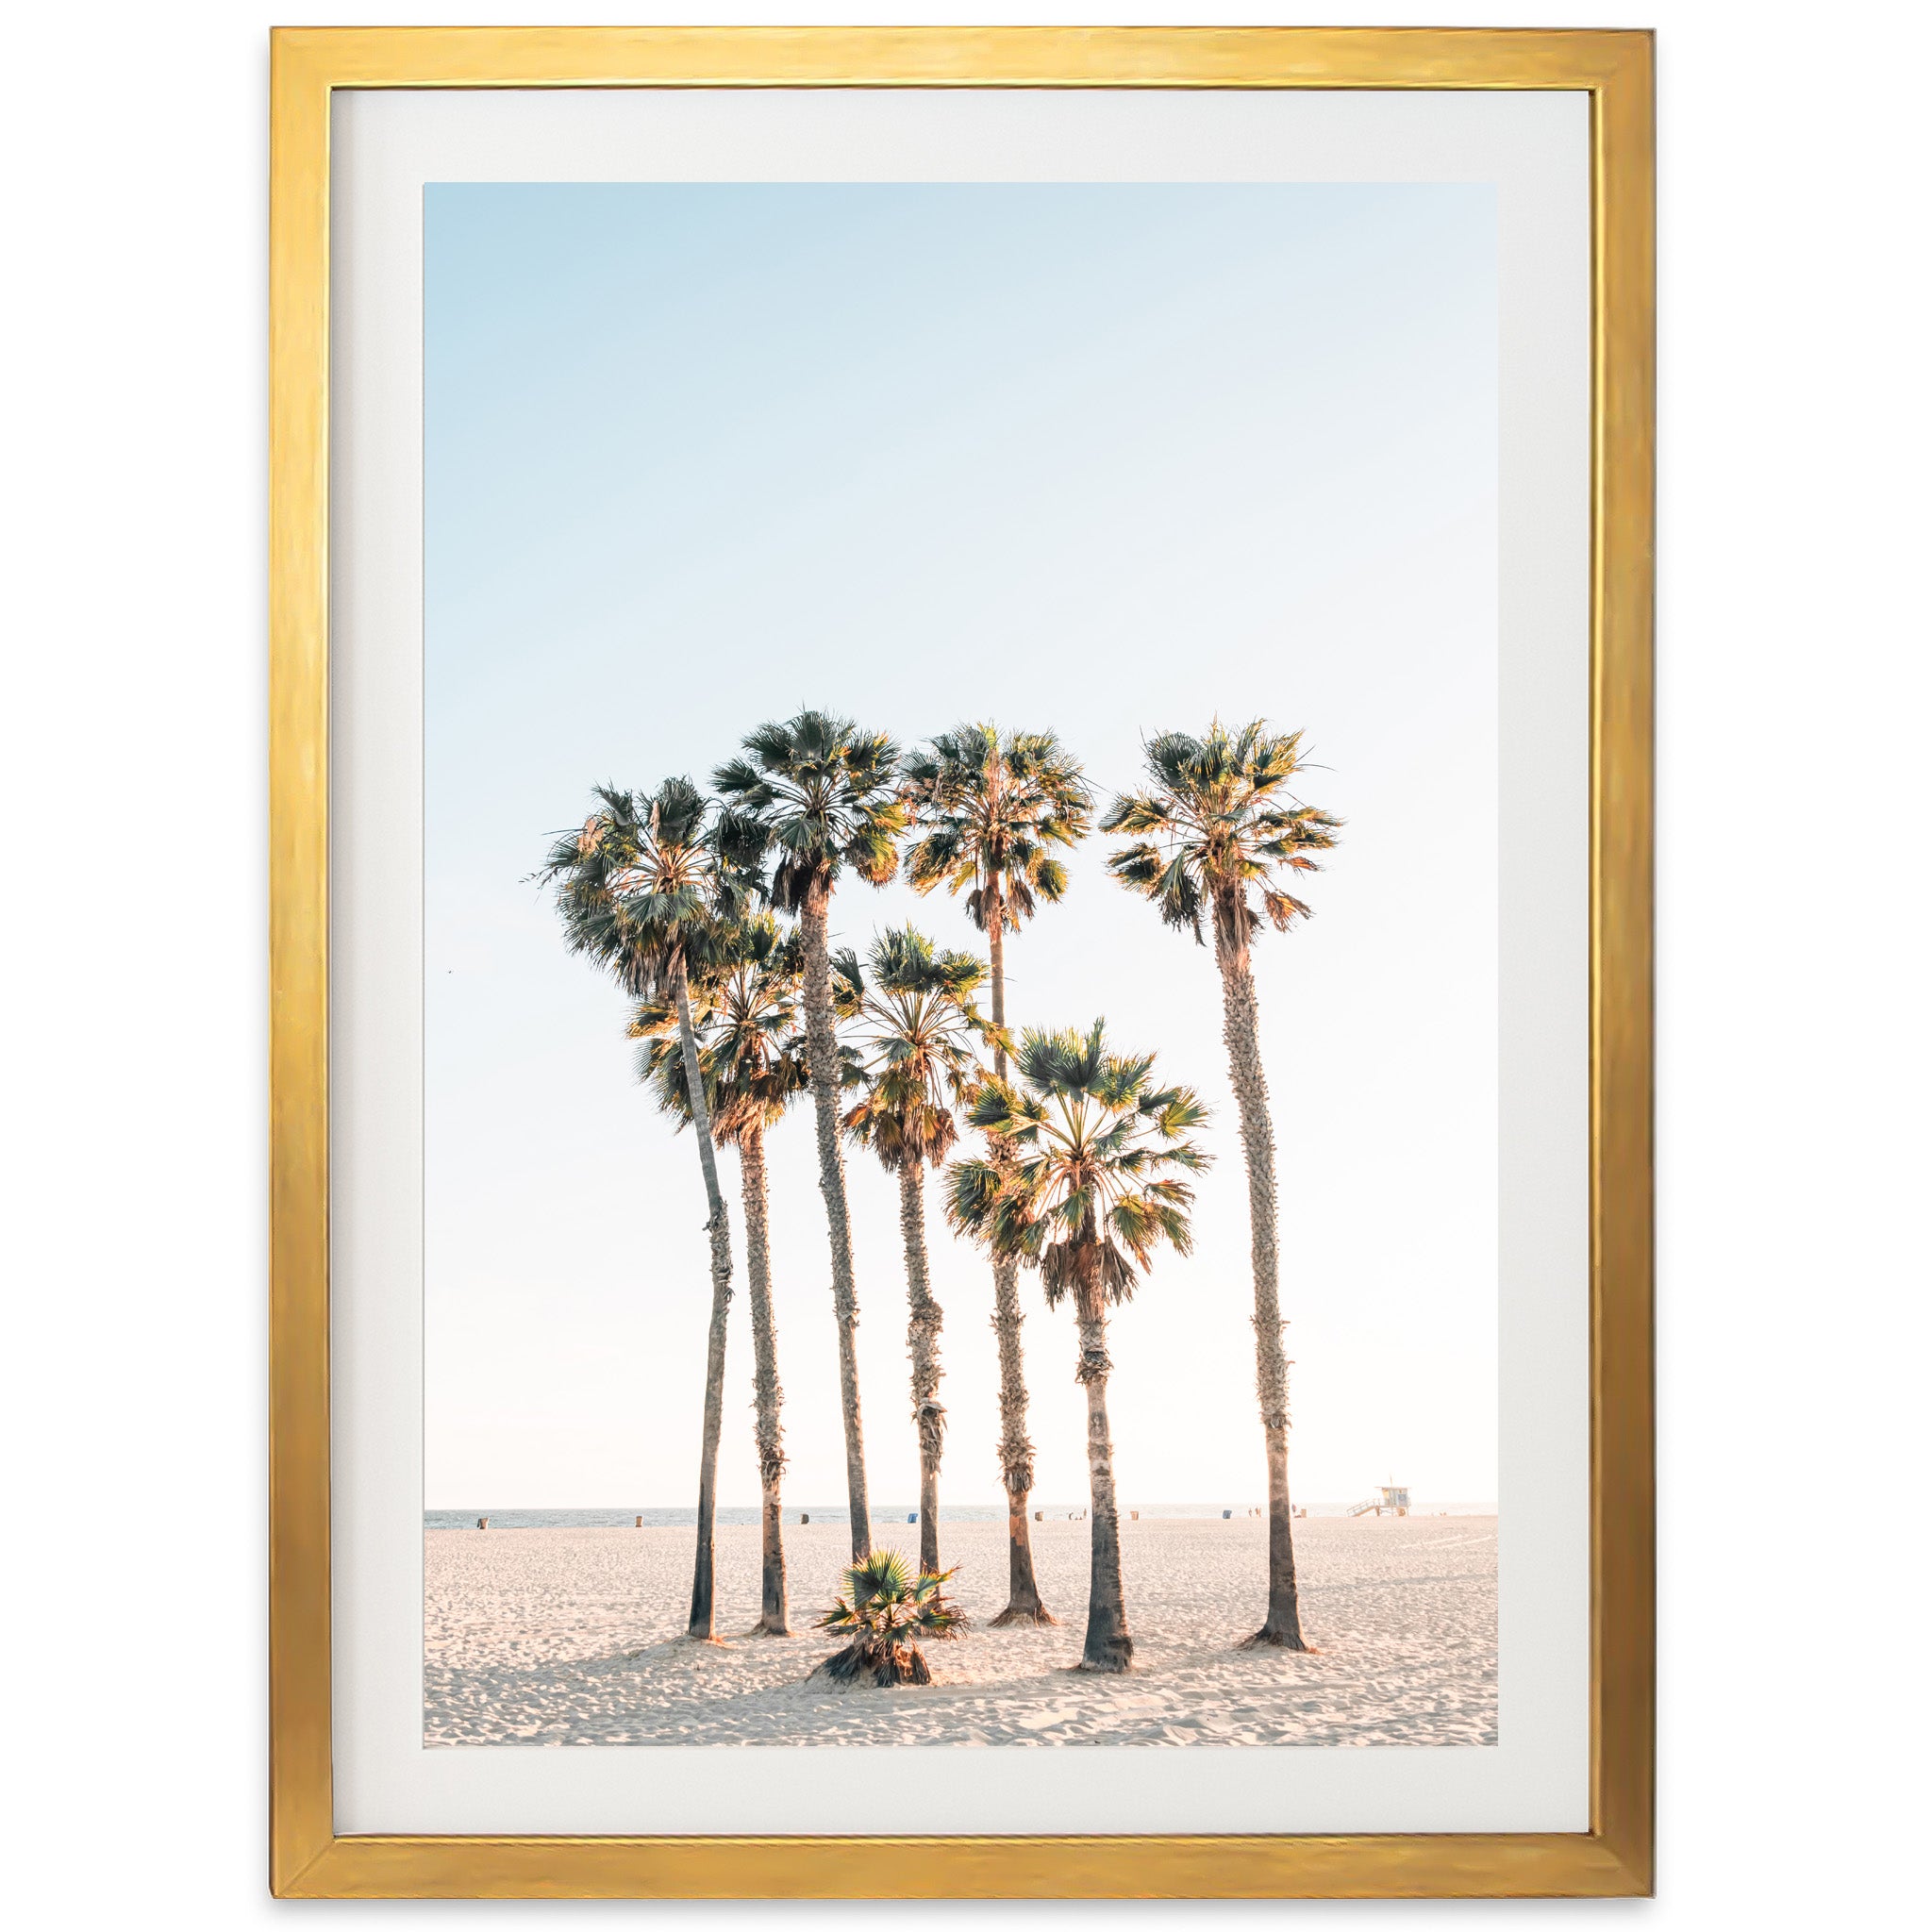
1108 458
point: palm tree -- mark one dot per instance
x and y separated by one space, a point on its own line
918 1029
752 1056
815 795
1219 822
641 890
884 1610
1086 1198
988 808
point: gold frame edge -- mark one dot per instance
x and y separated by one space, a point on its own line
1614 1858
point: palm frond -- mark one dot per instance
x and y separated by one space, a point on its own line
983 802
916 1031
1219 819
813 796
1086 1201
641 886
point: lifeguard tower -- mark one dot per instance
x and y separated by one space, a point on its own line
1392 1497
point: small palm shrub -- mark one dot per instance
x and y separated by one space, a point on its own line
884 1612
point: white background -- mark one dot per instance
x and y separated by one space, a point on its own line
1792 962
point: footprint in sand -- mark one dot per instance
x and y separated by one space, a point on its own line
1045 1720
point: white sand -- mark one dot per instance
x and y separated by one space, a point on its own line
574 1636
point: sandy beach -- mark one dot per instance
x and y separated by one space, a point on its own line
574 1636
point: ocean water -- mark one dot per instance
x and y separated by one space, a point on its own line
883 1515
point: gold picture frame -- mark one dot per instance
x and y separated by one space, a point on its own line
308 1859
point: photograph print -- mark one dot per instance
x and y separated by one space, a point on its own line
960 1075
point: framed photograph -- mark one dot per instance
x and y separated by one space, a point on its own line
961 772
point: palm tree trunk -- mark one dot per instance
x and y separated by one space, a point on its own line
1016 1452
703 1587
1241 1030
764 1346
1108 1647
1016 1446
822 1057
922 1345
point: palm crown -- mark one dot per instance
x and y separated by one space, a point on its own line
884 1601
641 885
919 1030
988 806
1092 1191
813 795
1219 819
744 1002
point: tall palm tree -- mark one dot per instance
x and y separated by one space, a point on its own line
642 888
989 807
752 1056
816 796
917 1030
1087 1197
1219 823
